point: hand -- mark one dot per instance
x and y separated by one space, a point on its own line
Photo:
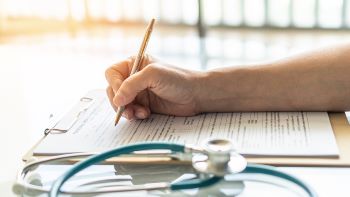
157 87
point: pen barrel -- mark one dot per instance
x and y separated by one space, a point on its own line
140 55
136 64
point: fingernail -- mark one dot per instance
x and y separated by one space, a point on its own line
140 114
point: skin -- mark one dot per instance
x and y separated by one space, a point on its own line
313 81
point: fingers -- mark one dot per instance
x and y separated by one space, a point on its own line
131 111
117 73
128 112
141 112
136 111
110 95
123 89
132 86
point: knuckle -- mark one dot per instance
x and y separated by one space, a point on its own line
152 68
147 59
108 90
127 83
116 83
108 72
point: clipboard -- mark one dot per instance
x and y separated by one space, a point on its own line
339 123
341 129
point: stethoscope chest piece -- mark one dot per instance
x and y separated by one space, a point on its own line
219 159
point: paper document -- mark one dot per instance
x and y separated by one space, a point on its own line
253 133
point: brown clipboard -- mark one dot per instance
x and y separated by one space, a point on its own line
341 129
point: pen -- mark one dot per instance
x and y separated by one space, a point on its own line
137 62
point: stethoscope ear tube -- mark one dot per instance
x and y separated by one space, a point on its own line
195 183
55 189
272 171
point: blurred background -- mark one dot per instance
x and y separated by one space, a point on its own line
53 51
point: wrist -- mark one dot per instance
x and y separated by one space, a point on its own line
200 90
212 90
227 89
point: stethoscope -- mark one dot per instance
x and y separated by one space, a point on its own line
213 161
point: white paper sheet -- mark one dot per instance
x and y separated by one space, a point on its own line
253 133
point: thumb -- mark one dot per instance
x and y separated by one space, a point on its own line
129 89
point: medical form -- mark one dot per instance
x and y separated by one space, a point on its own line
252 133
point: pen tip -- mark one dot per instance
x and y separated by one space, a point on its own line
153 20
116 120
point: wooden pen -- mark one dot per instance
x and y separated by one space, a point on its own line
137 63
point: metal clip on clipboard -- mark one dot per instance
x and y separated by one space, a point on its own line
66 122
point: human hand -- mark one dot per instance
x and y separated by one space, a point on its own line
157 87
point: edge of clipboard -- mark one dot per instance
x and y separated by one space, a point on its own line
29 155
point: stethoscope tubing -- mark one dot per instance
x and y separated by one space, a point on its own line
186 184
55 189
272 171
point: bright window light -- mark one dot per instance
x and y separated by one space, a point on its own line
304 13
330 13
279 12
254 12
212 12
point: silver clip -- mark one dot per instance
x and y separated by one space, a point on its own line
68 120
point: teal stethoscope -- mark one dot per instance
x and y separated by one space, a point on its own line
214 160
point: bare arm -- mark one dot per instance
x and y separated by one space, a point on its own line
314 81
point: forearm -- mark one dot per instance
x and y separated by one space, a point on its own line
316 81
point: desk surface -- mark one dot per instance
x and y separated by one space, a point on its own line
45 75
326 181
